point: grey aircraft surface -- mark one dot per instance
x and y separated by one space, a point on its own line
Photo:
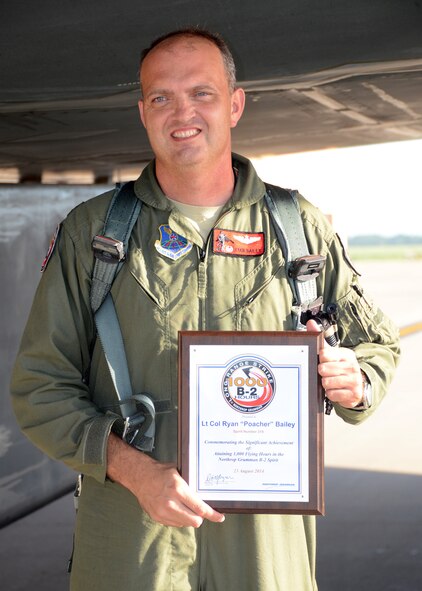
316 74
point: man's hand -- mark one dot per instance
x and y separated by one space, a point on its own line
159 488
340 373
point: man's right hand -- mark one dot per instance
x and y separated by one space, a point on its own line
159 488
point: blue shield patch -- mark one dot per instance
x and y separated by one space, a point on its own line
172 245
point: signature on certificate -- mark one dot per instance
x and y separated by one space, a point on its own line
217 479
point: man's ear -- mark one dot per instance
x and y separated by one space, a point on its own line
141 111
238 104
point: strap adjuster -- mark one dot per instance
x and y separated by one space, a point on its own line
108 250
307 267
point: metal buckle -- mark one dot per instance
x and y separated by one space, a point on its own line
131 426
108 250
307 267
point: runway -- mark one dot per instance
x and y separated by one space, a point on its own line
371 536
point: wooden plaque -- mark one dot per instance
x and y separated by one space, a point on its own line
251 411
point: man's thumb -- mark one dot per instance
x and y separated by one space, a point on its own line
313 326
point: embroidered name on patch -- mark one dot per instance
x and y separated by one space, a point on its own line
241 244
172 245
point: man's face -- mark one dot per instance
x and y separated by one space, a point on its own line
187 107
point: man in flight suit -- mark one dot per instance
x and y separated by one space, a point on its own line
139 525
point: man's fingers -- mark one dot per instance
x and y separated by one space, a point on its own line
175 513
339 371
188 512
167 499
337 355
200 508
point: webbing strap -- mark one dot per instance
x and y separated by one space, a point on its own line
285 213
145 441
121 218
110 335
123 212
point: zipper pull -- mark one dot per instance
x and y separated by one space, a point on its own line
249 301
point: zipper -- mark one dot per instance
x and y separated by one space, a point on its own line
249 301
202 275
148 292
357 289
202 254
361 294
358 319
253 297
202 286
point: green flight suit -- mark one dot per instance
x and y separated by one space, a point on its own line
117 546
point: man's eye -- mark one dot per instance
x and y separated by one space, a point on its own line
159 99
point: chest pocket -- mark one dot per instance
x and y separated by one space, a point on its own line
263 298
141 300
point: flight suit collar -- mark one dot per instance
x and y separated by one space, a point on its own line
248 189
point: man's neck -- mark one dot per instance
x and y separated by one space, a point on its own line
196 185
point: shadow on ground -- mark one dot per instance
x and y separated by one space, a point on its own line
369 540
371 536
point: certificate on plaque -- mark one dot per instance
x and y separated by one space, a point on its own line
251 420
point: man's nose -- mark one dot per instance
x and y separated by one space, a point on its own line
183 107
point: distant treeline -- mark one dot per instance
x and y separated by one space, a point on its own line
375 240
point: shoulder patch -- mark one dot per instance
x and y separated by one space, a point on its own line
50 248
233 243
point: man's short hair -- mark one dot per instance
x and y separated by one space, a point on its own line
214 38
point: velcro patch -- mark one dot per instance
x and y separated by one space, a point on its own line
172 245
50 248
240 244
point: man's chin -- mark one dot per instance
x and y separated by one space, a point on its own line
189 156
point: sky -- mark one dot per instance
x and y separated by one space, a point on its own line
373 189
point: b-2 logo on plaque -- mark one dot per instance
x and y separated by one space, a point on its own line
248 384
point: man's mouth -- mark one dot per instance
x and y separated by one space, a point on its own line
183 134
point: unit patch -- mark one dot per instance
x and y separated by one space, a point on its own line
50 248
172 245
241 244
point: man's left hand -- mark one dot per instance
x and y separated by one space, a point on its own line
340 373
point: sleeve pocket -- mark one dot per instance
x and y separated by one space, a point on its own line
361 321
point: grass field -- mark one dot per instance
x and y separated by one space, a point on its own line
386 252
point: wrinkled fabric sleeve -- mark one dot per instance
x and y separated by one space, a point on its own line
50 395
362 326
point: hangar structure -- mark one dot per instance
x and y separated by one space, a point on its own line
317 75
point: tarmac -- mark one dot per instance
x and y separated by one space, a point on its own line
371 536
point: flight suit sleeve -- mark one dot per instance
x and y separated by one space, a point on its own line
362 326
50 395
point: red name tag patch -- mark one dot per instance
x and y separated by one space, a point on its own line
240 244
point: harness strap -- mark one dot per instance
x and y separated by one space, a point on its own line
110 335
132 434
285 214
121 217
110 250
